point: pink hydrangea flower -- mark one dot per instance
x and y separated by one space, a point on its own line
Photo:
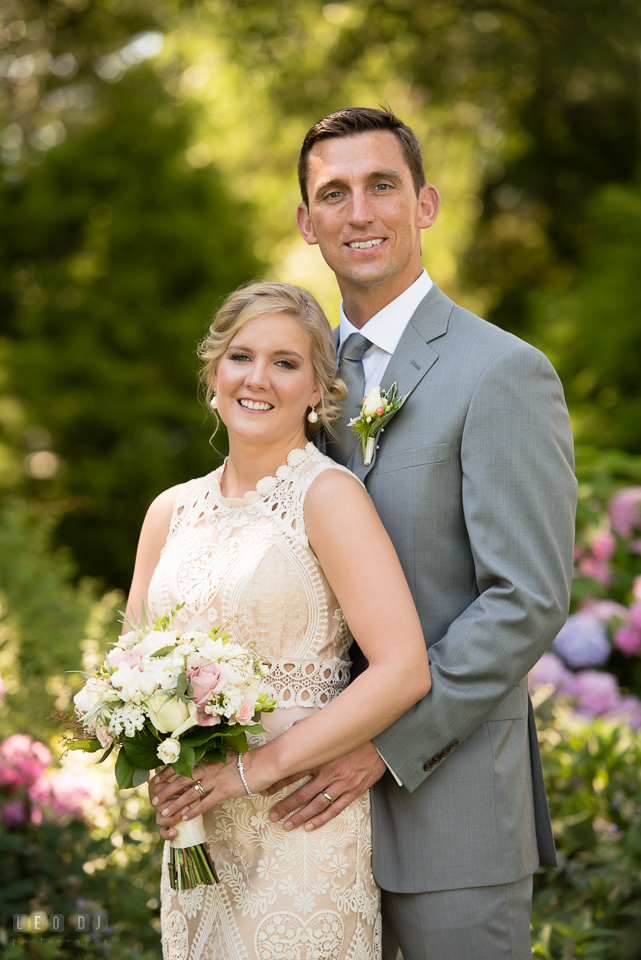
603 546
596 569
636 589
604 610
22 761
59 795
625 511
627 639
635 615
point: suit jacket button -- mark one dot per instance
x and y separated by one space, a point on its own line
454 744
427 766
445 752
437 758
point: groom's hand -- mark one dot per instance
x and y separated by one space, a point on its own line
343 780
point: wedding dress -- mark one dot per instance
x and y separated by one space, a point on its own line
283 895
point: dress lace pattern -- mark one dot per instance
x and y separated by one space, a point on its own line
283 895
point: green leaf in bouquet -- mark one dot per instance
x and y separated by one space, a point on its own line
139 777
198 735
163 651
184 765
181 686
238 743
214 755
141 754
124 771
89 746
106 753
254 728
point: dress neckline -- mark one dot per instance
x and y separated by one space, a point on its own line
266 485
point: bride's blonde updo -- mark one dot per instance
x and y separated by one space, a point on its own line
265 299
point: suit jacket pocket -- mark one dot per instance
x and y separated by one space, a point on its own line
513 707
437 453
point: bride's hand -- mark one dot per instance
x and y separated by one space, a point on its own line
178 798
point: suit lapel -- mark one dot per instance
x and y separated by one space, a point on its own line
413 358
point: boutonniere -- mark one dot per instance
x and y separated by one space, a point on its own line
377 408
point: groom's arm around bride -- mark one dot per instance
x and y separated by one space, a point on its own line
473 479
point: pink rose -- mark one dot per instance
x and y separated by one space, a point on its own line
206 679
133 658
246 711
207 719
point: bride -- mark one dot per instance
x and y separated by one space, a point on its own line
288 546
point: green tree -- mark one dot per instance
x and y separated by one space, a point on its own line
115 252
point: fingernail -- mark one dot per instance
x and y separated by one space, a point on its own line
185 817
309 826
165 812
155 801
156 779
172 833
273 817
288 826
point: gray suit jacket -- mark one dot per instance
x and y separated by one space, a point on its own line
474 481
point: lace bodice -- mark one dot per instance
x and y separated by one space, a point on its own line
248 562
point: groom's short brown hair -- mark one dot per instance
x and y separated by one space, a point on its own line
355 120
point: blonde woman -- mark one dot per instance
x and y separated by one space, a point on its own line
289 544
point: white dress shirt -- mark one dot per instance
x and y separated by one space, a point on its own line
385 329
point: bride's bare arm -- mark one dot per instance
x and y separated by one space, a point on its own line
152 539
363 569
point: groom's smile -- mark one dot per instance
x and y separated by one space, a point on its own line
366 216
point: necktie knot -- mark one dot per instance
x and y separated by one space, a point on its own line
355 347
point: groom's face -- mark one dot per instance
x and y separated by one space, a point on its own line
364 212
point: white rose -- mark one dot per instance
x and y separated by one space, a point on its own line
93 691
372 401
173 716
169 750
239 665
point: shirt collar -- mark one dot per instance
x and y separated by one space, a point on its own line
386 327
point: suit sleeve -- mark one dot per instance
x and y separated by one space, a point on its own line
519 503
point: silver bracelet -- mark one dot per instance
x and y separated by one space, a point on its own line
241 770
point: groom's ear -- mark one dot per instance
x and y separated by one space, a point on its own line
304 222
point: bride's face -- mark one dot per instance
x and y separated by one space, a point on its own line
265 381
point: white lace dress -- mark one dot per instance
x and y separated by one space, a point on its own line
283 895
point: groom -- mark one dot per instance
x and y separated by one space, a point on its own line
473 479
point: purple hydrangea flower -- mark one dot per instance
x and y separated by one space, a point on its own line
549 669
583 642
595 692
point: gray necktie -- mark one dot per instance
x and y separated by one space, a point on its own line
350 370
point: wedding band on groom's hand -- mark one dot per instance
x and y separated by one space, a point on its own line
327 797
198 787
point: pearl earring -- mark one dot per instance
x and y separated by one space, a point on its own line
213 403
312 416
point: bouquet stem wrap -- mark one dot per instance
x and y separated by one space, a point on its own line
189 862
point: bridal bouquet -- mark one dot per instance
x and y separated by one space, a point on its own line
377 408
166 697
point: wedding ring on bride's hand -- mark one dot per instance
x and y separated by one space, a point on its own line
327 797
198 787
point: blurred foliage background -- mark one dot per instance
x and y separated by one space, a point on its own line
147 168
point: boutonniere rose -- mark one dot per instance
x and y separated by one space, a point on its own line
377 409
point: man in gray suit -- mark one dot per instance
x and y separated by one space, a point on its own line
473 479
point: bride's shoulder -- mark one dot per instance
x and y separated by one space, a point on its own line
332 481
